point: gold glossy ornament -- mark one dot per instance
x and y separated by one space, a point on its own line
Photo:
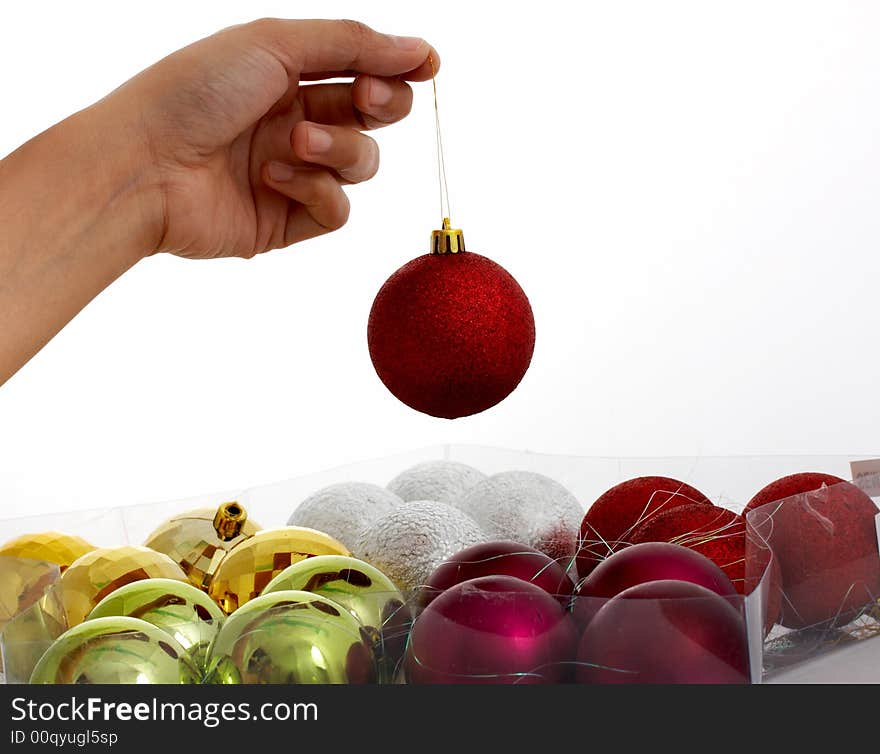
367 593
250 566
49 546
27 636
178 608
291 637
100 572
117 650
199 540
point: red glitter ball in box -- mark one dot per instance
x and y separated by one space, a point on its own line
617 513
826 543
720 535
451 335
793 484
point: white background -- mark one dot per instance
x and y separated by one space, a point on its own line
687 191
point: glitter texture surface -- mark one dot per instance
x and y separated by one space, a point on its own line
451 334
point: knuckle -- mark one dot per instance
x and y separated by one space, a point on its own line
357 29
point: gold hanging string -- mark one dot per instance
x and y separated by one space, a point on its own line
445 211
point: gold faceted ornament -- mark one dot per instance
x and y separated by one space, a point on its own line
100 572
49 546
249 567
199 540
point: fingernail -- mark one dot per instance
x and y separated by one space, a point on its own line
407 43
280 171
318 140
380 92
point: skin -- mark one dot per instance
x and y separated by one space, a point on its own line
224 148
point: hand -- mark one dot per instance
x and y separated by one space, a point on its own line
245 157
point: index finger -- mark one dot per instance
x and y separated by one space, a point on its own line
330 49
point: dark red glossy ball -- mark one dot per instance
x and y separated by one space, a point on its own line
793 484
720 535
617 513
665 632
642 563
451 334
826 543
500 558
494 629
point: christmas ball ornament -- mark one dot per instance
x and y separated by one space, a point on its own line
178 608
408 543
116 650
443 481
248 568
366 592
100 572
49 546
720 535
665 632
344 510
493 629
793 484
641 563
451 333
291 637
199 540
826 543
500 558
522 506
617 513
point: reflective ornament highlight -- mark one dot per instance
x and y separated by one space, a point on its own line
199 540
101 572
291 637
49 546
116 650
248 568
178 608
367 593
494 629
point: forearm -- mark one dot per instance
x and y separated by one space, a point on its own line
77 210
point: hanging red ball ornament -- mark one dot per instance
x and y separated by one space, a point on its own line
451 333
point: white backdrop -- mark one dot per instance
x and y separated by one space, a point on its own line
687 191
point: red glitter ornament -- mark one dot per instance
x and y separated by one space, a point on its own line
451 333
500 558
826 543
617 513
665 632
494 629
641 563
720 535
793 484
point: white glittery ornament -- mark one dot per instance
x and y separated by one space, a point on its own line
344 510
526 507
408 543
443 481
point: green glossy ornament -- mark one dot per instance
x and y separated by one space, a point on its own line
362 589
291 637
178 608
118 650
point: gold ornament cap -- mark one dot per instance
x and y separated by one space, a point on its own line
447 240
229 521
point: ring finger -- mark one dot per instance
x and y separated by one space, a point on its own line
353 155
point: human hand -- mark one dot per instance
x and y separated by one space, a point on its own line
243 157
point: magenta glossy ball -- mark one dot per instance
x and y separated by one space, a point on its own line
493 629
500 558
665 632
638 564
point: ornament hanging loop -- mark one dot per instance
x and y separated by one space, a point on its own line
447 240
